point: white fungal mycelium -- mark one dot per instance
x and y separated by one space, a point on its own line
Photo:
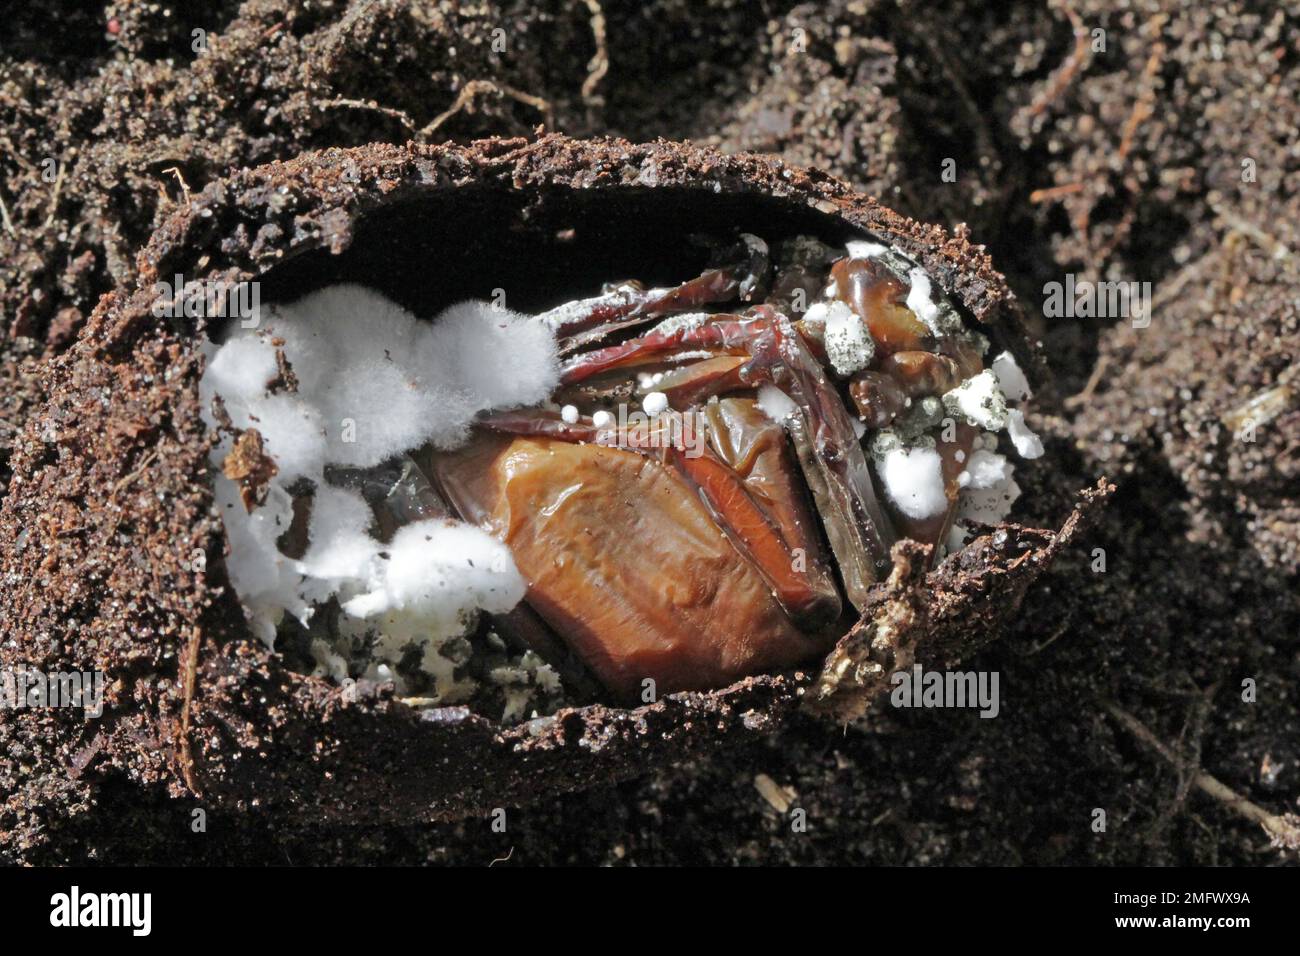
905 455
861 249
979 400
1028 445
912 475
654 404
1010 378
849 344
989 504
988 489
370 381
919 301
685 322
776 404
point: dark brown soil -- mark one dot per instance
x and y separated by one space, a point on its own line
1143 142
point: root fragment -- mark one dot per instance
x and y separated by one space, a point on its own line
1145 104
187 706
4 217
1069 68
1090 387
465 102
352 104
598 66
54 197
1055 192
185 187
1283 831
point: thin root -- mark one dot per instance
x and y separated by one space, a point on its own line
1144 106
371 105
185 187
4 217
1283 831
599 63
1090 387
145 462
1069 67
187 706
1055 636
1263 239
465 99
1055 192
54 198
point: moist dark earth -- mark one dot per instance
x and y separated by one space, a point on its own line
1125 141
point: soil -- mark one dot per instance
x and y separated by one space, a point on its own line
1166 157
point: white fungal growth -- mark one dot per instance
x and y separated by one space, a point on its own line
1028 445
979 400
264 578
776 404
1011 379
685 322
245 366
756 247
372 382
434 575
906 462
654 404
940 320
919 301
861 249
987 505
341 550
984 470
912 476
849 344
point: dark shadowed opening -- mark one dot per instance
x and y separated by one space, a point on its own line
431 251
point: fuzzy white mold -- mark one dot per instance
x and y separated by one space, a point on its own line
979 400
849 344
372 382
